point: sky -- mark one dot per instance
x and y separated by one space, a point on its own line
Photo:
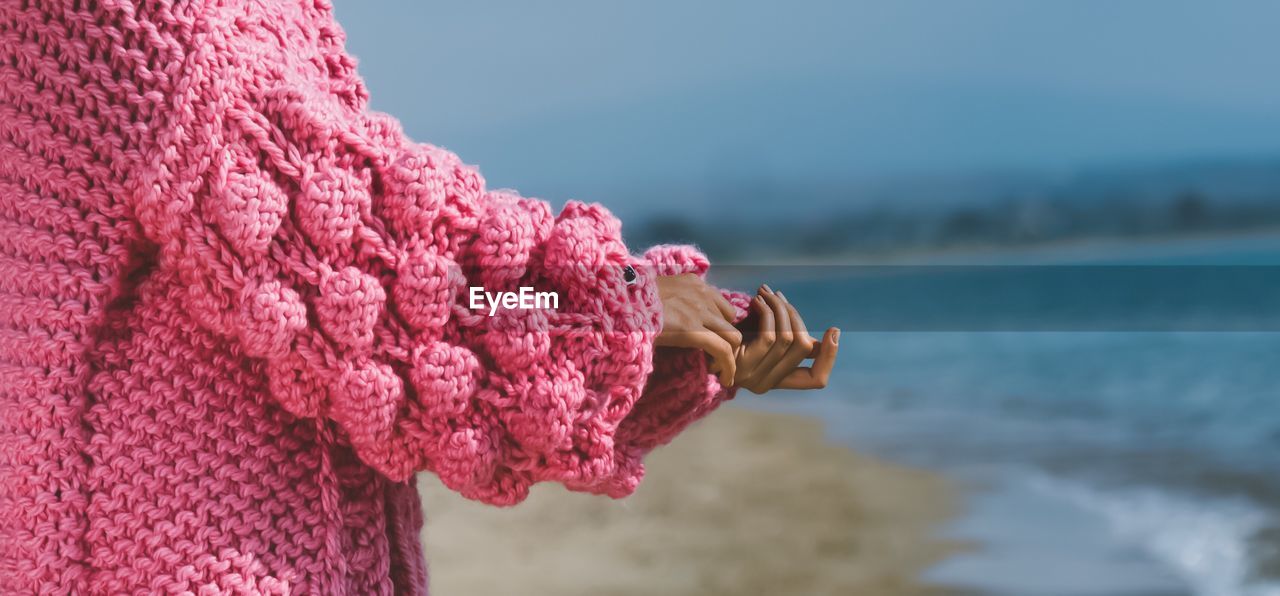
667 99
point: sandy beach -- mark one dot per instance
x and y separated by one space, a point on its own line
745 502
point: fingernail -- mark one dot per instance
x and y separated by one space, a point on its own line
782 296
835 337
767 288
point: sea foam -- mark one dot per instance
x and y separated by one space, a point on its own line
1204 541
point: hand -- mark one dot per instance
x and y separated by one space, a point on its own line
772 359
695 315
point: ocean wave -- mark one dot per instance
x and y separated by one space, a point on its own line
1205 541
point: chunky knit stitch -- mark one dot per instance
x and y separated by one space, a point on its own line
233 320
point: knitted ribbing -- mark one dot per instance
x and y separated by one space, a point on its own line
233 320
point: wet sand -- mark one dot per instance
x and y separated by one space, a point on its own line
743 503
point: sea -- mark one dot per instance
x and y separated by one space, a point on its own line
1110 410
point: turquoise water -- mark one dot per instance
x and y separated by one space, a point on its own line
1162 422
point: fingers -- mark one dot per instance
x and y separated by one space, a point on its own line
756 349
721 353
768 331
725 330
782 336
796 351
772 359
802 339
824 361
724 352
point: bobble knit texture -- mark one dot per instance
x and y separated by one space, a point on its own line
233 317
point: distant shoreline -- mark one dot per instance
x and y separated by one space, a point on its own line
733 272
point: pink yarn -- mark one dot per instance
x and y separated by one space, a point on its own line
233 316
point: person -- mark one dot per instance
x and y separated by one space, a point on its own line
233 325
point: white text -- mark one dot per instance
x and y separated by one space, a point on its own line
526 298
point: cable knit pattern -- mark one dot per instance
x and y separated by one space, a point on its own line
234 321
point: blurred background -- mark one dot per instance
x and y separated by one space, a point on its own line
1049 230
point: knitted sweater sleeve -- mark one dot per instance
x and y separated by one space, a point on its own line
338 255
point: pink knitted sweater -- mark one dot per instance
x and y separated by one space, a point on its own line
234 318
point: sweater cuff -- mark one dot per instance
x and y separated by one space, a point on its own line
680 389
